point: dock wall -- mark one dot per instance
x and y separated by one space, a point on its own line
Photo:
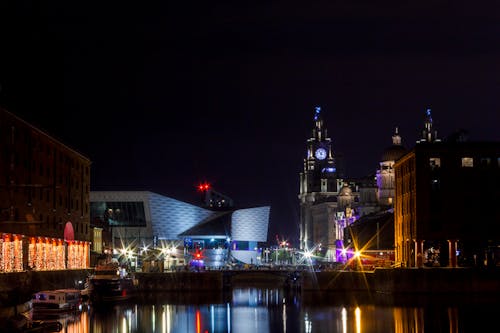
17 288
413 281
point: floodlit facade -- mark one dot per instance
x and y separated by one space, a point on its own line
330 203
327 201
385 173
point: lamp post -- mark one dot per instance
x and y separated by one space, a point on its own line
168 258
143 252
170 252
132 258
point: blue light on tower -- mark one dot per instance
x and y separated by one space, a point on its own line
317 111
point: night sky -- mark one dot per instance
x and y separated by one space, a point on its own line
162 97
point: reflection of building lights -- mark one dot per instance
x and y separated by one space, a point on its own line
228 316
357 314
198 321
344 320
153 318
284 316
165 322
307 324
212 317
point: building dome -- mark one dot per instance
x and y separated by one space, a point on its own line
393 153
396 151
345 191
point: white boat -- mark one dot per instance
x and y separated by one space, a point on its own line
54 301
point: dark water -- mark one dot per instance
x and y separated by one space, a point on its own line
273 310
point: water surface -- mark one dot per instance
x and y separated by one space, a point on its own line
265 310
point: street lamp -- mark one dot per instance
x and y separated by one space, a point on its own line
143 252
307 256
266 252
167 252
132 258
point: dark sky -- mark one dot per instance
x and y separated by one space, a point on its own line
161 97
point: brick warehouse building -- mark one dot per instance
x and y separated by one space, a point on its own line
446 204
44 196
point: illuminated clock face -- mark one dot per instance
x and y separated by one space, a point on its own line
320 153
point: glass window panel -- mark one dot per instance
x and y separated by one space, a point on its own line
123 214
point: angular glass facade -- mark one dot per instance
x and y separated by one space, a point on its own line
119 214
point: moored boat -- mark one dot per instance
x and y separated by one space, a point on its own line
55 301
110 283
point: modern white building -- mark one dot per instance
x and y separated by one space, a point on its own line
143 219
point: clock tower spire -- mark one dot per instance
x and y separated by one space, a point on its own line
318 182
319 155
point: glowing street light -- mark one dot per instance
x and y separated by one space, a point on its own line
307 255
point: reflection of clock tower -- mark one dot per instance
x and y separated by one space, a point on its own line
319 188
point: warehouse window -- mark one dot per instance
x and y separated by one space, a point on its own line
467 162
435 162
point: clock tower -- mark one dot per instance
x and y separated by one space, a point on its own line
319 188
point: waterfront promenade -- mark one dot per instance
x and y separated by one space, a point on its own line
17 288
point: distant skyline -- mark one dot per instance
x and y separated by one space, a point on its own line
162 97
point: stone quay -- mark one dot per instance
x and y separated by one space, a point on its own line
16 289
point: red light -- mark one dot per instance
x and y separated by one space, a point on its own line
203 187
198 256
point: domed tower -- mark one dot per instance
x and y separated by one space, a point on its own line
385 174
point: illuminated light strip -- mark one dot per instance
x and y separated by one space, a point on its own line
44 253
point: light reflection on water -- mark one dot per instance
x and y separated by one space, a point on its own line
265 310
